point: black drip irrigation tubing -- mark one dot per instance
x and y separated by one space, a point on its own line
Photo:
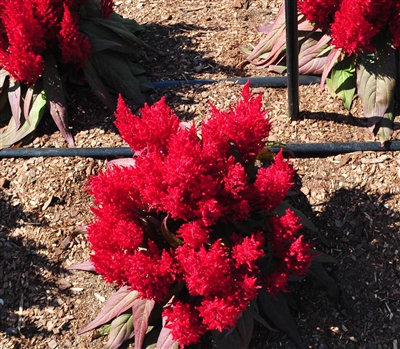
269 81
296 150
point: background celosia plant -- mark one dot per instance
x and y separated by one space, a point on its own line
44 43
353 43
189 230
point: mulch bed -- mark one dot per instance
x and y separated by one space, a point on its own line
353 199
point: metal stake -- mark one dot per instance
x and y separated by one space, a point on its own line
292 58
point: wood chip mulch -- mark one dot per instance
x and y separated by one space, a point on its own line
353 199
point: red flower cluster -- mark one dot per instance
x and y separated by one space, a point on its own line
193 218
355 23
30 27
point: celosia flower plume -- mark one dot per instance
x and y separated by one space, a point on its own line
181 221
355 24
30 28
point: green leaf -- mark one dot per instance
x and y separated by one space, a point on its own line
102 38
12 135
97 86
277 310
141 310
342 81
318 273
376 80
121 329
105 330
114 70
227 339
122 31
321 257
55 97
245 325
303 219
118 303
172 240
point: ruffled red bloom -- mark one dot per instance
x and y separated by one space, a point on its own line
107 7
276 281
298 258
185 323
149 132
206 273
395 25
244 127
24 43
283 232
319 11
152 272
247 251
278 176
194 234
75 48
213 244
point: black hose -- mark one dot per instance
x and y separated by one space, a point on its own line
269 81
298 150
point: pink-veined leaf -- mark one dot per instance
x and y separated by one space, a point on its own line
376 80
118 302
55 97
385 126
85 266
121 329
266 44
313 54
165 340
141 310
14 98
123 162
12 135
331 60
28 101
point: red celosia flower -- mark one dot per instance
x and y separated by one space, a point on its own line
248 251
206 273
278 176
25 40
152 272
221 313
298 258
194 234
107 7
149 132
276 281
201 184
395 25
75 48
245 126
319 11
185 323
282 232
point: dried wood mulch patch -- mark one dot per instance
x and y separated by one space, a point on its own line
354 199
